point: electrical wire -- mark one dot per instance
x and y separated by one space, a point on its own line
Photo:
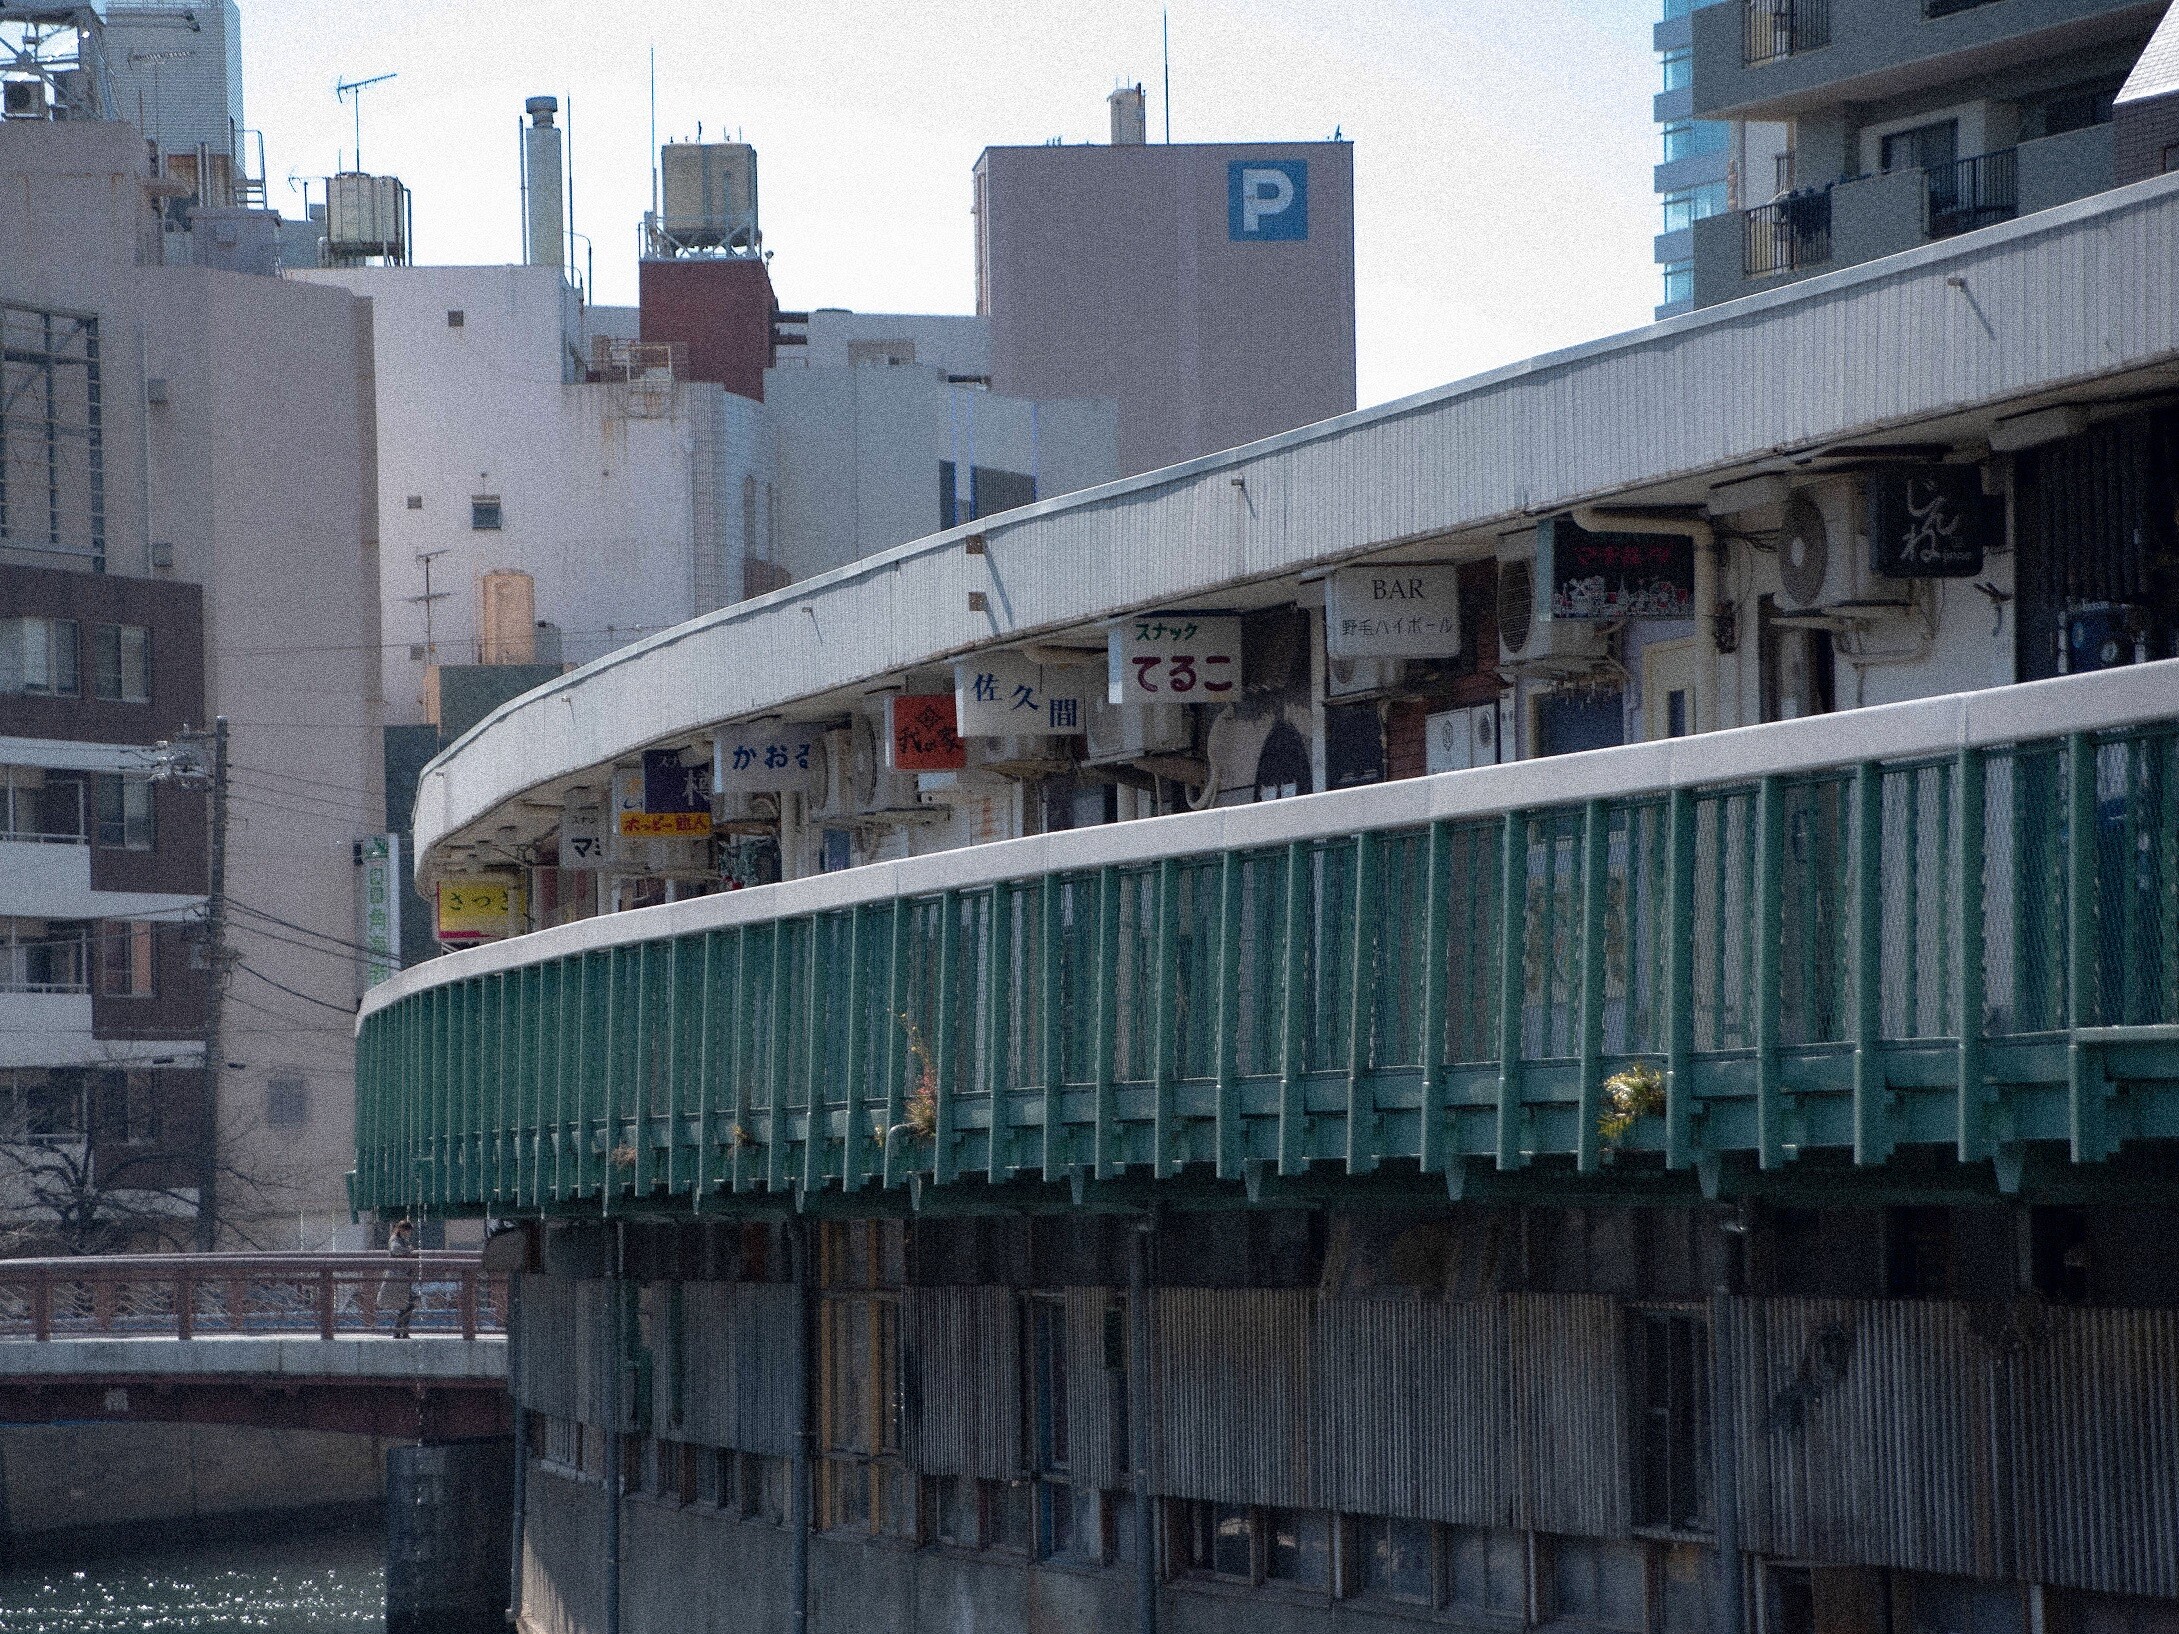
289 924
296 777
323 1004
358 957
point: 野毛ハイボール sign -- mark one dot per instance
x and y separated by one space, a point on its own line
1615 575
765 759
1401 611
1927 522
1006 695
1190 658
920 734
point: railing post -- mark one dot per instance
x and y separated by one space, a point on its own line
1512 980
1164 1004
1431 1144
185 1306
1293 1060
1872 1123
896 1037
1595 876
1228 1132
325 1303
1107 1030
1362 1140
1769 934
997 961
1968 802
946 1035
1052 1036
706 1024
853 1133
41 1305
1680 980
814 1016
2084 1084
470 1273
775 1151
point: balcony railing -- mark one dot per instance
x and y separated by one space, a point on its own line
1792 233
1973 193
1771 29
1972 940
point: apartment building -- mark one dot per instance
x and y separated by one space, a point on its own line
188 532
1909 121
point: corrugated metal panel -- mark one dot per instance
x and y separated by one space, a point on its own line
596 1351
1412 1409
2095 1432
961 1360
738 1356
1565 1363
1096 1394
544 1339
1234 1408
1865 1433
2082 290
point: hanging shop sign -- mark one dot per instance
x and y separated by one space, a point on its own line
1615 575
1405 611
766 759
1927 522
1192 658
1005 695
481 908
921 735
381 907
582 835
663 800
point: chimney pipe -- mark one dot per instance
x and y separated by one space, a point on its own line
1130 117
544 216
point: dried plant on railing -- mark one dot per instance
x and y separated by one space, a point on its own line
920 1114
1631 1094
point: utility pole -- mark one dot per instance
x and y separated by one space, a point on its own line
182 762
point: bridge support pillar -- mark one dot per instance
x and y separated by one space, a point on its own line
448 1512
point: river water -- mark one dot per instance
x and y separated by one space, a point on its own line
325 1584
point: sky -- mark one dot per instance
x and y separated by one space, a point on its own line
1502 148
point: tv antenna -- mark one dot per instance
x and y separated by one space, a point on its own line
351 90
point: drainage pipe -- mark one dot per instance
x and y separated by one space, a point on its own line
1138 1426
798 1601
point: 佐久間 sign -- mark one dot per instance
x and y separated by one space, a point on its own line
1005 695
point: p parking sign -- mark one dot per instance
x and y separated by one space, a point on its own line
1267 200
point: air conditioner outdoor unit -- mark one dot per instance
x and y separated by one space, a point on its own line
1823 569
1022 757
1118 734
856 783
22 99
1356 680
1529 638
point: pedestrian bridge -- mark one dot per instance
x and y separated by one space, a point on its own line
1852 946
290 1340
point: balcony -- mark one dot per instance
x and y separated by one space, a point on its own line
46 1029
1786 236
1973 193
1771 29
1759 951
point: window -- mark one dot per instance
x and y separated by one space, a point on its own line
125 1107
1670 1364
1679 67
1605 1585
41 1103
121 663
124 960
41 957
1918 1253
1071 1521
990 491
416 502
880 354
1685 206
1486 1570
455 317
1396 1559
38 657
1679 282
36 805
2058 1253
123 805
484 514
862 1482
287 1103
1925 147
1250 1544
1689 138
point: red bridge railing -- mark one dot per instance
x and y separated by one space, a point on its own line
187 1296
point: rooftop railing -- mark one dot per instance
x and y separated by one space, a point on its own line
1952 923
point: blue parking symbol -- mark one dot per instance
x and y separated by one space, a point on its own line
1267 200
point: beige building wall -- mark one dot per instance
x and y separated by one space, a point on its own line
255 477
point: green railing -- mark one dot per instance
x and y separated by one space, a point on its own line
1792 954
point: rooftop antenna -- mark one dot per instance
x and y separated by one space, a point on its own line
351 90
654 131
1165 27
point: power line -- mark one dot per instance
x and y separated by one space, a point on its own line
323 1004
296 777
307 947
289 924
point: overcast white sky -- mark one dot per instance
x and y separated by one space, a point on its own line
1502 147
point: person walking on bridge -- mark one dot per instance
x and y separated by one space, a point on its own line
401 1281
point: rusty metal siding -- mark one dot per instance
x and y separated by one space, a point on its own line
1233 1399
596 1351
2094 1427
1866 1433
739 1349
1411 1409
1094 1454
544 1341
961 1361
1565 1364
